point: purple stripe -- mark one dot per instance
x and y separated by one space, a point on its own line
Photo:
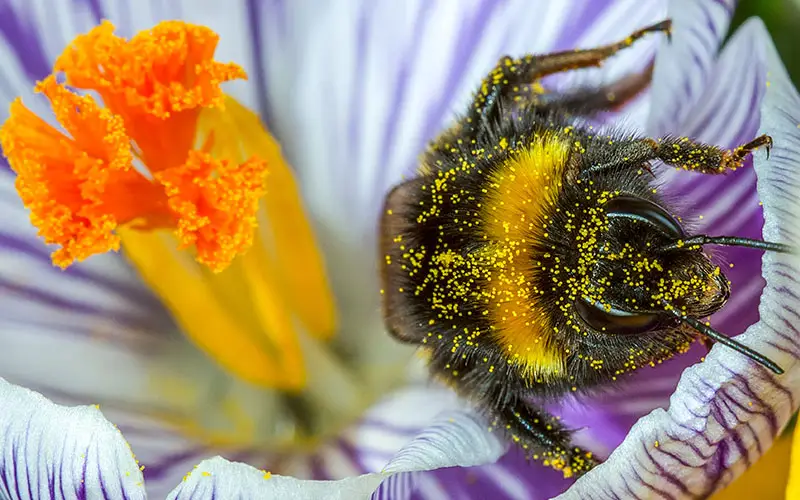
103 489
470 36
354 125
51 478
27 462
254 13
588 13
27 46
397 487
128 319
157 471
317 469
80 489
94 8
137 294
353 454
60 462
20 461
401 86
539 481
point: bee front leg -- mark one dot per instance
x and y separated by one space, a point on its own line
680 152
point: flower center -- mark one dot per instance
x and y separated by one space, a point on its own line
170 161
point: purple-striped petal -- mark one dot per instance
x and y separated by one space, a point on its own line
383 430
33 33
51 451
728 410
699 26
456 440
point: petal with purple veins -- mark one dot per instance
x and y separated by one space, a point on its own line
383 430
83 456
727 411
396 74
699 26
457 439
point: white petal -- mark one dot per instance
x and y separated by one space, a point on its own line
51 451
458 440
728 410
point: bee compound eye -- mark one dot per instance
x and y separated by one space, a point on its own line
616 321
645 211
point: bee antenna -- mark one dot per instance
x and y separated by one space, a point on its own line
731 241
716 336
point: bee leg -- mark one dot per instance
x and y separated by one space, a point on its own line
542 436
575 59
699 157
611 97
514 78
680 152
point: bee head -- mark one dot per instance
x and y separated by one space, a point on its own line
635 273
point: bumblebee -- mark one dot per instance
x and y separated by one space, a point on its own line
532 257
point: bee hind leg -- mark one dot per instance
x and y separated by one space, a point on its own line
611 97
543 438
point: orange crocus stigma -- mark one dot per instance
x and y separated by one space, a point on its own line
80 184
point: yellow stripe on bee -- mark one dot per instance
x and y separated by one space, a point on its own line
519 194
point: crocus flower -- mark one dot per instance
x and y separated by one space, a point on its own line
279 362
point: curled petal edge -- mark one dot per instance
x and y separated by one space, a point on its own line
457 439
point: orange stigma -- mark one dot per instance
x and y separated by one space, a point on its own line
80 184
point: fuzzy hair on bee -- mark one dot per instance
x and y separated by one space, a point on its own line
532 257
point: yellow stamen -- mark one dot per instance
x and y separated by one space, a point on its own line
256 299
286 239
